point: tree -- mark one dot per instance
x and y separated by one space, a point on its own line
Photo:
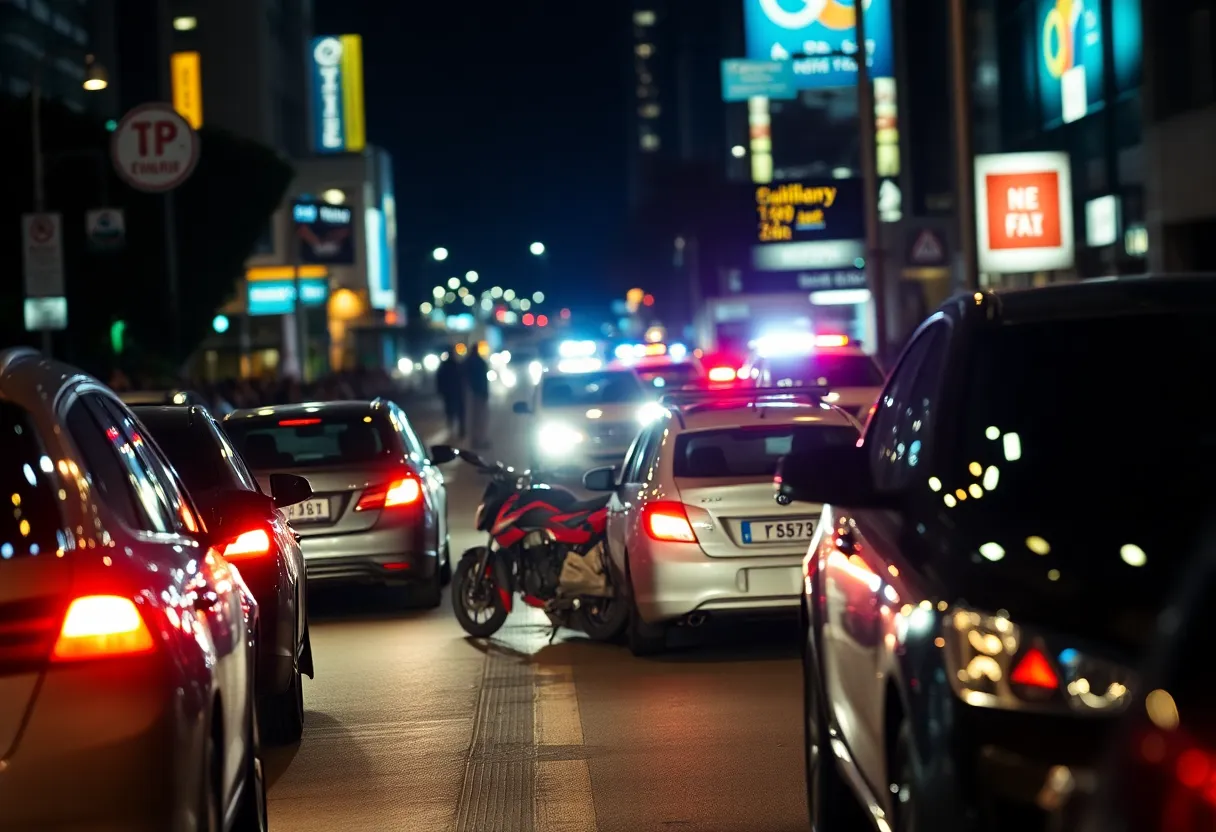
221 211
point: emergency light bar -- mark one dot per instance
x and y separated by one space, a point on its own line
751 395
796 343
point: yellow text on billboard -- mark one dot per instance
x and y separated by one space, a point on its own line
186 72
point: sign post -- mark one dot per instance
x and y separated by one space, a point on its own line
42 259
155 150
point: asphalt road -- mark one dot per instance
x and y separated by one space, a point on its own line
412 726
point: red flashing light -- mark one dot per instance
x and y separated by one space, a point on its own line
667 520
528 319
831 340
648 300
542 320
296 423
1035 671
722 374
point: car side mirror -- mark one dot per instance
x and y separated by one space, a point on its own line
522 408
840 476
232 512
443 454
289 489
600 479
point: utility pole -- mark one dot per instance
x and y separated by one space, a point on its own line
964 175
869 174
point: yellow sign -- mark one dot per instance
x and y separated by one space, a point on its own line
783 208
284 272
352 92
185 68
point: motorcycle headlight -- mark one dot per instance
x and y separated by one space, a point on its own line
555 439
994 663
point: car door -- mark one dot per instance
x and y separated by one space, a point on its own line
620 501
633 489
857 630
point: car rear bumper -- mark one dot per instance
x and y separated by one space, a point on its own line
672 580
391 555
113 747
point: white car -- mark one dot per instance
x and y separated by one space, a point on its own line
581 420
692 524
851 375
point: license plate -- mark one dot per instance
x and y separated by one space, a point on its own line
775 531
308 510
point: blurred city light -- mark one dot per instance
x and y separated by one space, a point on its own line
426 308
440 253
528 319
453 282
471 276
438 291
496 292
220 324
542 320
538 297
509 294
537 248
738 151
430 363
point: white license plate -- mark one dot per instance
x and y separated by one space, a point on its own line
308 510
756 532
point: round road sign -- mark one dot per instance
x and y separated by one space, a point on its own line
153 148
42 230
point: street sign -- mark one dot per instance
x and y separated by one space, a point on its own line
105 229
743 79
42 255
927 249
154 149
46 314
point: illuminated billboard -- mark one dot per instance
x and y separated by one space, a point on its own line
823 34
1023 210
829 209
185 71
337 94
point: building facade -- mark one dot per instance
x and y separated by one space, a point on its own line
51 41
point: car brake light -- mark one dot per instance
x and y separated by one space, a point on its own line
1035 671
102 626
722 374
831 340
400 492
295 423
668 521
248 544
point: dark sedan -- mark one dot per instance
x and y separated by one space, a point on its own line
266 552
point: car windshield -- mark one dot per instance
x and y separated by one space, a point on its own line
750 451
31 526
319 441
670 375
1094 467
196 453
589 389
824 370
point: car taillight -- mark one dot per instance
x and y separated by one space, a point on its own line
252 543
722 374
405 491
668 521
102 626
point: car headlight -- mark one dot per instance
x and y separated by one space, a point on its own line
994 663
555 439
650 411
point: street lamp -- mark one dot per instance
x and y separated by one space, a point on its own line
537 248
440 253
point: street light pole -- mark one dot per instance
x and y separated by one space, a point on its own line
869 174
39 175
964 176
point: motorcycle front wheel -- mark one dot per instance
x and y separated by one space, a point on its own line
475 598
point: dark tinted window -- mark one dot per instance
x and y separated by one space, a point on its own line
106 467
590 389
30 519
324 440
194 449
827 370
750 451
675 375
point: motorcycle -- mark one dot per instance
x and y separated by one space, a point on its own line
544 545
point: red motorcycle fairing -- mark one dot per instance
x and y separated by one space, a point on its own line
579 526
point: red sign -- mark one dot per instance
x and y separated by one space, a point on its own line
153 148
1023 210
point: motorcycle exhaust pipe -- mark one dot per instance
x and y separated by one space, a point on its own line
695 620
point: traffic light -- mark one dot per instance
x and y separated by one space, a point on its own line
118 331
111 125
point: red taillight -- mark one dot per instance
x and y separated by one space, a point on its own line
721 374
1035 671
668 521
102 626
250 544
831 340
400 492
296 423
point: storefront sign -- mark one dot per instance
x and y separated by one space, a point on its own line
325 233
743 79
1023 212
275 297
1070 58
824 34
795 211
337 89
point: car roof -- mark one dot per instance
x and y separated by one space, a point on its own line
184 415
27 376
730 414
335 409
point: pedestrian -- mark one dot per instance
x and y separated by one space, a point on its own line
477 380
450 381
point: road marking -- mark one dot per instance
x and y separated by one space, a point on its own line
565 801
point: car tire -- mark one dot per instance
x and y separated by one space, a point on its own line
445 568
283 713
644 639
429 593
251 815
905 783
827 794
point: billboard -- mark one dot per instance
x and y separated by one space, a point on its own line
325 233
1023 210
185 70
275 297
742 79
337 93
1071 67
824 31
829 209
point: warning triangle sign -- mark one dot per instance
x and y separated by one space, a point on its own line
928 249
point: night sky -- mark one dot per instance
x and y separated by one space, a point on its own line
507 124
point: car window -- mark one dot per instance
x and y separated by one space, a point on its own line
157 510
412 443
195 450
165 482
899 432
750 451
34 524
636 463
650 455
238 463
319 441
590 389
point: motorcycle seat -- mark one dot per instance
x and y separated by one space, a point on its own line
587 506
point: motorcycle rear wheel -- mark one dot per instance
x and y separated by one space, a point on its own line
476 600
603 619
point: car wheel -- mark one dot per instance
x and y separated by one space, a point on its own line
445 568
284 713
905 782
644 639
827 795
251 813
